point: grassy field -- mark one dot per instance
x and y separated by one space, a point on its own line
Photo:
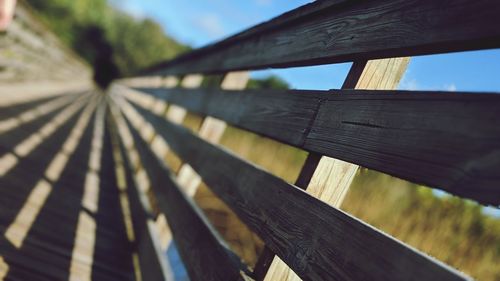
453 230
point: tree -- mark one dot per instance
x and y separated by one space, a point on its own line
130 44
270 82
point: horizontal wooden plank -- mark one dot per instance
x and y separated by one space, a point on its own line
150 266
47 250
337 247
449 141
444 140
204 254
339 31
282 115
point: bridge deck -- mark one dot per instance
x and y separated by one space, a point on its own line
44 247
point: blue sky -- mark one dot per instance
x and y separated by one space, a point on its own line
200 22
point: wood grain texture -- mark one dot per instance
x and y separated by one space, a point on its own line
241 240
332 178
317 241
281 115
448 141
341 31
445 140
204 254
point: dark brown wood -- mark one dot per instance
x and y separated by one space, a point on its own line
205 255
339 31
47 250
283 115
150 266
354 74
302 182
317 241
263 264
445 140
448 141
16 186
308 169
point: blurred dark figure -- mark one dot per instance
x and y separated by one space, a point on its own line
93 44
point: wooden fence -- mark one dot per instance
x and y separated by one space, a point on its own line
445 140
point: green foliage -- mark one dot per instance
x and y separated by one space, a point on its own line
449 228
136 43
270 82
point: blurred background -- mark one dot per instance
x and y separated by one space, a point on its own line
117 38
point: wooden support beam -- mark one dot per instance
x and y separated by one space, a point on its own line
148 266
329 248
327 32
267 257
211 130
406 134
145 230
332 177
205 255
175 113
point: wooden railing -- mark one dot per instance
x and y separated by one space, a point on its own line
82 173
444 140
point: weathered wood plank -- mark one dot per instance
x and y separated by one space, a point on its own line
204 254
211 130
43 254
316 240
444 140
47 248
33 109
148 243
339 31
332 177
281 115
150 267
448 141
175 113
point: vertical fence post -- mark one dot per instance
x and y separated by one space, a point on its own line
211 130
176 113
332 177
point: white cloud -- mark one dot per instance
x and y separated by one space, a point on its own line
409 84
211 25
450 87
